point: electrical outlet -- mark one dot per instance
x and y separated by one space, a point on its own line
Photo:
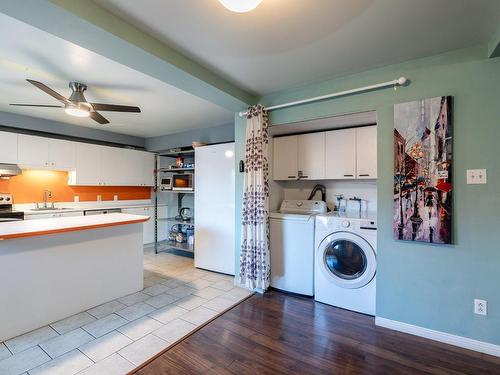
476 176
99 198
115 197
480 307
76 198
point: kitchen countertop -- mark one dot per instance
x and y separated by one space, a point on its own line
28 208
31 228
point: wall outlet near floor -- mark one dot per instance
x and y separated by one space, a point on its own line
76 199
476 176
99 198
115 197
480 307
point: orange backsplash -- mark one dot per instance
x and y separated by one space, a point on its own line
29 187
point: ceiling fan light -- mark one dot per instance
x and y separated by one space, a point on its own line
77 112
240 6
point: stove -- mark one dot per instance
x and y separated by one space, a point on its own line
6 211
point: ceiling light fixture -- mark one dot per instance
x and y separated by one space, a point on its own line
77 111
240 6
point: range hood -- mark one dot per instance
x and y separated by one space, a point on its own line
9 170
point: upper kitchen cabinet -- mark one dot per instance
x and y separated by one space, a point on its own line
340 154
88 171
8 151
285 158
143 163
366 150
46 153
311 156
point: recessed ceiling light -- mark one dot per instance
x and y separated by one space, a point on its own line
240 6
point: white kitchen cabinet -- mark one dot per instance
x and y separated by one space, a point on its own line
311 156
116 167
285 158
33 152
8 149
340 154
147 168
149 226
88 171
366 152
62 154
36 216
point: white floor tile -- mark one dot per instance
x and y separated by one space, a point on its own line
140 327
199 315
104 325
224 285
190 302
161 300
73 322
219 304
208 292
134 298
174 330
199 283
136 311
106 309
181 291
4 352
172 283
23 361
143 349
168 313
113 365
106 345
67 364
156 289
60 345
153 280
237 294
30 339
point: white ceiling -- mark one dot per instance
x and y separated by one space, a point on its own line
287 43
27 52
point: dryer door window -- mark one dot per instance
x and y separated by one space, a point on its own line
345 259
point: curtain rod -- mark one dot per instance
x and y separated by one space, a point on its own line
397 82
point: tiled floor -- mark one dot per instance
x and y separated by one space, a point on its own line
115 337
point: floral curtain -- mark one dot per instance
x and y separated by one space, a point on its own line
254 256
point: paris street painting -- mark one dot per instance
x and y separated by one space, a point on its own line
423 185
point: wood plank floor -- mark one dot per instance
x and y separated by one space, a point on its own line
281 334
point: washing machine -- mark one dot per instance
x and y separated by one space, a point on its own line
346 261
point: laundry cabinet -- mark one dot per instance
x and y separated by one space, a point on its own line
285 158
340 154
366 152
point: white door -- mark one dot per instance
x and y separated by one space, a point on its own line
311 156
285 158
33 151
214 245
340 154
88 170
8 149
366 148
62 154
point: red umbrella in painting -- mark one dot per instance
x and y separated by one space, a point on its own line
444 186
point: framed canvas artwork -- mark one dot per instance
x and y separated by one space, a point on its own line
423 181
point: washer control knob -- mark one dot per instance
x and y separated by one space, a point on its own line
346 223
299 204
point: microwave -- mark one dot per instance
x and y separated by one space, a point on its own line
182 182
166 183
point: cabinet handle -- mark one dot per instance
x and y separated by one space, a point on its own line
364 175
348 175
292 177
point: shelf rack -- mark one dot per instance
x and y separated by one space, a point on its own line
170 244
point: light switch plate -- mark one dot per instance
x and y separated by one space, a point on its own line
476 176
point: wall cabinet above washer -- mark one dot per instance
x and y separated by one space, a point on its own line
332 155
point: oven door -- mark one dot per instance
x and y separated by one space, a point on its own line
347 260
182 182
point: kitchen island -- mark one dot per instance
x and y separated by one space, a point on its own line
53 268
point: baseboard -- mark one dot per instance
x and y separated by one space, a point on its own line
447 338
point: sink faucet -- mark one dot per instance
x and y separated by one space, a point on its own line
46 194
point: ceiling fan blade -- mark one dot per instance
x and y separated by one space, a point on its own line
37 105
49 91
96 116
115 108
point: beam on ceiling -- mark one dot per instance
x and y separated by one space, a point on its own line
92 27
494 45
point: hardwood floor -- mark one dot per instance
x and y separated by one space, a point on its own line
282 334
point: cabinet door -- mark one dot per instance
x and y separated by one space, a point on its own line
147 168
8 149
148 232
62 154
116 169
33 151
366 149
285 151
340 154
88 165
311 156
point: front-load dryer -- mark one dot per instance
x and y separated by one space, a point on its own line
346 262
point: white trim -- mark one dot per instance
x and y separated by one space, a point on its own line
447 338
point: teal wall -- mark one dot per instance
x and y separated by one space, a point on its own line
428 285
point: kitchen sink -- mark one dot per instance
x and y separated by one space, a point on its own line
51 209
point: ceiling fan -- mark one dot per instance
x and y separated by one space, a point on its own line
77 105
